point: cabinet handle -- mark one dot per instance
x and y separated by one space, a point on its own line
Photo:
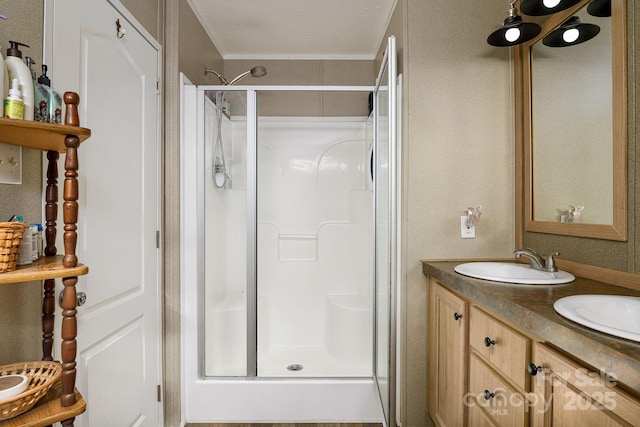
488 342
488 395
533 369
457 316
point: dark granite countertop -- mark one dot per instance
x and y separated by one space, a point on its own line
530 308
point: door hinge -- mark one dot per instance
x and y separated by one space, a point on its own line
159 393
157 239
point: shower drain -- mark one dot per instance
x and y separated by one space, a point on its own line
294 367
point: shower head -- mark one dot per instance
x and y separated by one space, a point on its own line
258 71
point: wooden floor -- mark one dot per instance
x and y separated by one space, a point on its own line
288 425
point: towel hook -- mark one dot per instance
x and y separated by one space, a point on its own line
120 32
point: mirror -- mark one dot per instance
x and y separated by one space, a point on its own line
575 129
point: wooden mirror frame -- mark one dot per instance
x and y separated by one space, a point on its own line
523 106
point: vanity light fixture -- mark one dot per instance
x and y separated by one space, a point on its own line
514 31
545 7
600 8
570 33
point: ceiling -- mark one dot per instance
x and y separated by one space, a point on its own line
295 29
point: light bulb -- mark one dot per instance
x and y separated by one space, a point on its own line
550 3
571 35
512 34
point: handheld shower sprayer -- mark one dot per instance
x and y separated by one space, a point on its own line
221 178
257 71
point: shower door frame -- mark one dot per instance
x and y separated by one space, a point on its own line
252 207
393 254
200 390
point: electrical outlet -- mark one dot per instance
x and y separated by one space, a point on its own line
467 231
10 164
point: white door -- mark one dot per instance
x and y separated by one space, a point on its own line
119 329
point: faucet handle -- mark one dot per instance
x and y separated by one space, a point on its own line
549 263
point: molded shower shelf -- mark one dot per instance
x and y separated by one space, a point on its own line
298 247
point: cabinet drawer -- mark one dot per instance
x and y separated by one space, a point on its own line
477 417
506 349
505 405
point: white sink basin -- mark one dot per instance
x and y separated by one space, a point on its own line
612 314
508 272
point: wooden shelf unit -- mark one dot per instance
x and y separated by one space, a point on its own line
63 403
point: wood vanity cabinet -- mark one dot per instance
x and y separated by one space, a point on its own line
564 393
484 372
63 402
447 356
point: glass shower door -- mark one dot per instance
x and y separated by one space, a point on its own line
226 213
386 200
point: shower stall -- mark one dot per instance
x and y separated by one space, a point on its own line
289 256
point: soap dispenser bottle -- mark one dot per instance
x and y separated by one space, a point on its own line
48 101
17 69
4 76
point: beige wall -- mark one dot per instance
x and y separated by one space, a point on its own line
195 50
458 151
311 73
149 14
20 304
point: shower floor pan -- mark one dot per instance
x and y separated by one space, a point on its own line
314 361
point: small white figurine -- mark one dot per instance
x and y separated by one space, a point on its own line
575 213
473 215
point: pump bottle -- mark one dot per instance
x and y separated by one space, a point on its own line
4 76
17 69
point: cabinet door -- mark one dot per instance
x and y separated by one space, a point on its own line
447 351
566 394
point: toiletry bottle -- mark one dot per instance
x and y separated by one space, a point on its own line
13 104
4 76
40 245
53 100
24 253
17 69
37 91
33 233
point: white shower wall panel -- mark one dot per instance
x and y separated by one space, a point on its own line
314 239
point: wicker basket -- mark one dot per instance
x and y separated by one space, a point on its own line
10 238
41 374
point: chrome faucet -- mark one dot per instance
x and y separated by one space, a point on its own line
537 261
